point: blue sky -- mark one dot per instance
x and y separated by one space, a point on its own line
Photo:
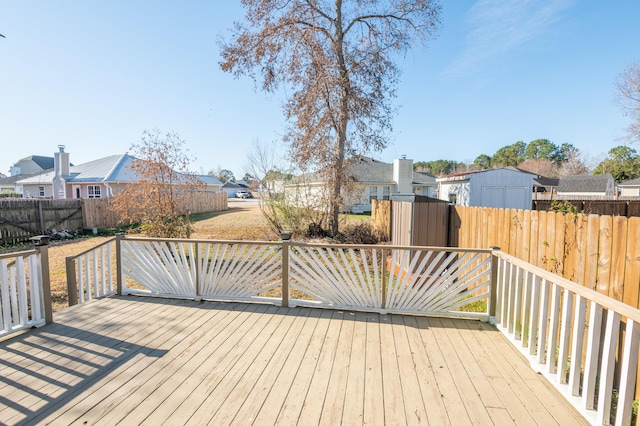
94 75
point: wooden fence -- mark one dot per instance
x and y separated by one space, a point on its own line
599 252
611 206
21 219
97 212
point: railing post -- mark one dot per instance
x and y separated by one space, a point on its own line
42 247
72 280
119 237
285 237
198 263
494 282
384 279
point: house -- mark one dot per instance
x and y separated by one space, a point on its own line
587 185
506 187
630 188
31 165
373 179
231 188
100 178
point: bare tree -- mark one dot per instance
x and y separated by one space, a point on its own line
628 96
337 59
158 198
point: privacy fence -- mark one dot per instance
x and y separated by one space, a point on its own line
598 252
611 206
21 219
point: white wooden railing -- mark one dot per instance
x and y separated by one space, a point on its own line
25 295
92 273
418 280
584 343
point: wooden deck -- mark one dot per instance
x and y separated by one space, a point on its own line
134 360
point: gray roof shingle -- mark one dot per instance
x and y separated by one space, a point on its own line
584 183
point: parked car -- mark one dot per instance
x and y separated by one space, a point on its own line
243 193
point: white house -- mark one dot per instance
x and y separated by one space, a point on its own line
100 178
630 188
373 179
502 188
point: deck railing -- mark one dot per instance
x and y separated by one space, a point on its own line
25 293
584 343
417 280
92 273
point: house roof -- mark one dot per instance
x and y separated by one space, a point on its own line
231 185
632 182
423 177
209 180
111 169
584 183
43 162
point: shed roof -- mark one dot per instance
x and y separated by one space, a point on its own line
632 182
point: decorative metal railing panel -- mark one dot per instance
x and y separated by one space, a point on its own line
21 294
584 343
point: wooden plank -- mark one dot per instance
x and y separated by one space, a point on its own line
580 251
570 248
373 391
593 243
316 393
618 257
434 405
257 379
217 386
631 283
550 255
112 397
60 362
392 387
605 235
289 411
456 410
525 235
353 411
469 383
133 351
533 238
542 239
414 406
336 388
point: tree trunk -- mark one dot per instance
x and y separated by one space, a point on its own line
341 132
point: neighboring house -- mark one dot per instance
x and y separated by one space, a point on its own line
506 187
100 178
373 179
232 187
31 165
630 188
587 185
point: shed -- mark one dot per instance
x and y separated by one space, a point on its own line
501 188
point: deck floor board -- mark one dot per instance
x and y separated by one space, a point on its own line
134 360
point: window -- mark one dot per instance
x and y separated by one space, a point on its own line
41 191
453 198
373 193
385 192
93 191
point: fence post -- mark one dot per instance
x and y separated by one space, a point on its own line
72 280
119 237
494 282
42 247
285 237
